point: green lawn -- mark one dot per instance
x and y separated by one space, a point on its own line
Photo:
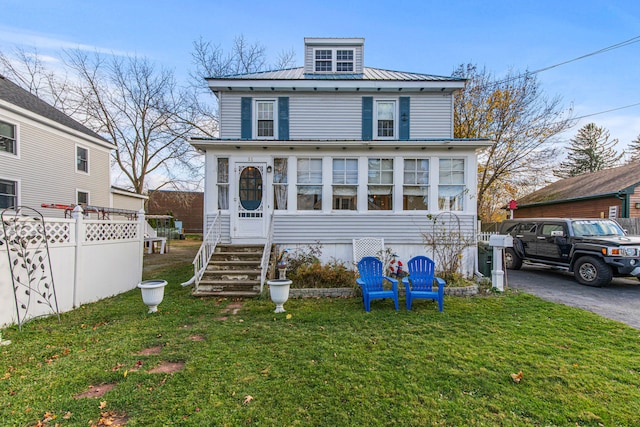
325 362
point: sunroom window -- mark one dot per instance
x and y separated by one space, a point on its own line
345 184
380 188
451 187
280 180
309 197
416 185
223 183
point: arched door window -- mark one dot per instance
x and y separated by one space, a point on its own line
250 188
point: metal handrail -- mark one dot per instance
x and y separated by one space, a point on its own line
266 255
207 248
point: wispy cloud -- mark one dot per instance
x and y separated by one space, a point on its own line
41 41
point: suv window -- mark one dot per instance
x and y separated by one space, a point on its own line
548 228
521 227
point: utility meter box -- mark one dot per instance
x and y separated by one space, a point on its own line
501 241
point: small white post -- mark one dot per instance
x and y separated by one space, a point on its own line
142 226
499 242
77 214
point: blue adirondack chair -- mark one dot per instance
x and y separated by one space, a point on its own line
419 283
371 280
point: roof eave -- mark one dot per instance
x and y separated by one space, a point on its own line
247 85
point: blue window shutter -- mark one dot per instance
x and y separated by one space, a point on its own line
404 118
283 118
367 118
246 119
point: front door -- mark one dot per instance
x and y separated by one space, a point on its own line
249 213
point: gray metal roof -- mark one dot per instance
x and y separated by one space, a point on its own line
377 74
14 94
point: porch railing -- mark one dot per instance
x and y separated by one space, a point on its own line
266 255
207 248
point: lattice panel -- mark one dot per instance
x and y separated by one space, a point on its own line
367 246
101 231
59 232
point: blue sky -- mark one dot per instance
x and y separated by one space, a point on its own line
419 36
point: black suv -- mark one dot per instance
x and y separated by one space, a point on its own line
595 250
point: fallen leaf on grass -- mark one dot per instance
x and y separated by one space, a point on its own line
289 316
247 400
66 416
103 404
516 377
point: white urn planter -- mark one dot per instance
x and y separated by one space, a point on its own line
279 292
152 293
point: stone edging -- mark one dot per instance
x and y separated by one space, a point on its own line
463 291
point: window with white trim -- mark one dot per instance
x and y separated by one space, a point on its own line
324 60
416 185
280 183
380 188
345 184
385 118
309 185
265 119
8 138
223 183
82 159
8 194
451 185
82 197
344 60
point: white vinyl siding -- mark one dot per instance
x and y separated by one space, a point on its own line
48 175
431 116
339 116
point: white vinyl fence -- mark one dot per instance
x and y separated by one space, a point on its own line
90 260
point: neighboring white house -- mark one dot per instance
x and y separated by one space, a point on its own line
334 150
47 157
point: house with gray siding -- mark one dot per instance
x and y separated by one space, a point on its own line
334 151
47 157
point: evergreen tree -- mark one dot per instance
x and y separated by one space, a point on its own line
590 151
633 150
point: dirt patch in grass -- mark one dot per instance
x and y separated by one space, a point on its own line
179 252
150 351
167 368
196 338
95 391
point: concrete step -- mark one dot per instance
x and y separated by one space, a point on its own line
247 294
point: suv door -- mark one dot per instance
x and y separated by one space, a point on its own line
551 241
524 234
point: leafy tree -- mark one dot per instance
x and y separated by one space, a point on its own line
522 122
634 150
590 151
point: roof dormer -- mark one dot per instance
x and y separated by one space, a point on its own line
333 56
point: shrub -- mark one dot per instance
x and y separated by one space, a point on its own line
333 274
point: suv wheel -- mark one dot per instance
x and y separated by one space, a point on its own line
511 260
592 271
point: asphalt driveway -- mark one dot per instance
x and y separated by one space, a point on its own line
618 301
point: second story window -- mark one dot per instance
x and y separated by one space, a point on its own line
265 119
385 119
7 138
82 159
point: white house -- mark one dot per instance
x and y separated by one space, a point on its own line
333 151
47 157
